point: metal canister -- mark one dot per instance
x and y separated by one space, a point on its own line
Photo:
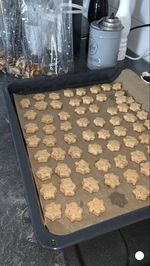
104 42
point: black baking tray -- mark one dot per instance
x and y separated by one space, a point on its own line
45 238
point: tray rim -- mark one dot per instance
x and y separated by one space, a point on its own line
44 237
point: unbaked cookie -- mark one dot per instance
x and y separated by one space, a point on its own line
121 99
30 115
147 124
41 105
33 141
49 129
90 184
130 117
56 104
64 116
39 96
65 126
58 154
42 156
44 173
52 211
47 119
138 156
99 122
75 102
145 168
63 170
138 127
73 212
135 106
25 103
88 135
111 180
96 206
144 138
101 97
70 138
68 93
80 91
141 192
115 120
80 110
120 131
117 86
119 93
112 110
142 115
83 122
49 141
95 149
94 108
148 149
103 165
82 167
113 145
54 96
103 134
121 161
75 152
95 89
67 187
123 107
131 176
106 87
130 100
130 141
31 128
87 99
48 191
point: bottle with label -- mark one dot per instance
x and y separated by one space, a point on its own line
97 10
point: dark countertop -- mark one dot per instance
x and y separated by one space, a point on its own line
18 246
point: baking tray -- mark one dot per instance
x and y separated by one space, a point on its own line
46 238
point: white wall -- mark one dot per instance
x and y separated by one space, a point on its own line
139 39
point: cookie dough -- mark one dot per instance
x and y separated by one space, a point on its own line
44 173
90 184
106 87
87 99
70 138
52 211
141 192
123 107
138 156
25 103
64 116
148 149
41 105
119 93
112 110
54 96
31 128
120 131
67 187
49 129
113 145
82 167
144 138
115 120
80 91
95 149
62 170
130 100
73 212
81 110
75 102
83 122
147 124
94 108
48 191
103 165
138 127
111 180
49 141
131 176
121 99
130 117
58 154
95 89
99 122
56 104
117 86
65 126
135 107
88 135
75 152
96 206
130 141
142 115
68 93
121 161
42 156
103 134
33 141
30 115
101 97
47 119
39 96
145 168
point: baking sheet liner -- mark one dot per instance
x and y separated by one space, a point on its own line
117 201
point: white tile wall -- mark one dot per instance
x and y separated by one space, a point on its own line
138 40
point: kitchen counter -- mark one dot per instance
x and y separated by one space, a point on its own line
18 246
